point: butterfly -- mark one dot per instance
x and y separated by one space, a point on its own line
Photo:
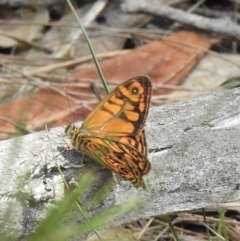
113 134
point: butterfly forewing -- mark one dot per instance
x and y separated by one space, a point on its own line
123 112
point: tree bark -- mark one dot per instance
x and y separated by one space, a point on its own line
194 150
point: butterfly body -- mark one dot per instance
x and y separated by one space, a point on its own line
113 134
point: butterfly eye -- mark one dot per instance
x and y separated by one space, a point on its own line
135 90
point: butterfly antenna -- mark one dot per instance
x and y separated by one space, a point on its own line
69 103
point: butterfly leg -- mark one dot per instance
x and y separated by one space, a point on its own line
82 159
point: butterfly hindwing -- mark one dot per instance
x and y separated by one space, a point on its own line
119 157
138 145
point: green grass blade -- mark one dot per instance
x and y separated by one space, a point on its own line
84 189
222 229
90 47
172 229
205 221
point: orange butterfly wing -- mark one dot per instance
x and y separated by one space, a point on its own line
123 112
140 145
121 158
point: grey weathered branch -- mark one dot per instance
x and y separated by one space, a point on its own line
194 151
224 27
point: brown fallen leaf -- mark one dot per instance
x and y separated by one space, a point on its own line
164 61
23 33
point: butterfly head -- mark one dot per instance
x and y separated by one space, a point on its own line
70 130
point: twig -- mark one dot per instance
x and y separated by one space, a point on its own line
76 33
221 26
215 13
36 46
190 10
74 62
